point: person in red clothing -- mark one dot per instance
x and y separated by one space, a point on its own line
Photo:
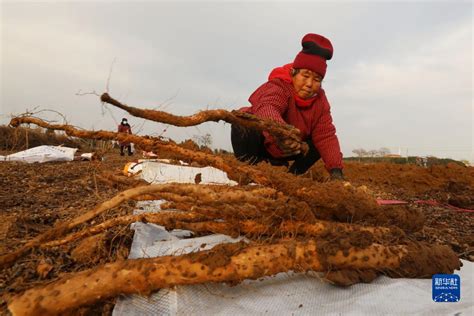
293 95
124 127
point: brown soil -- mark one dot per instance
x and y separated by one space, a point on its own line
450 184
36 196
33 197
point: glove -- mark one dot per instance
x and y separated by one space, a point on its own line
336 174
289 147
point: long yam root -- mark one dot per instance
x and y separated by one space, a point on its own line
167 219
114 180
235 205
278 130
321 227
217 194
235 169
199 223
62 228
224 263
254 229
338 202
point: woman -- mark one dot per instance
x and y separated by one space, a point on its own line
293 95
124 127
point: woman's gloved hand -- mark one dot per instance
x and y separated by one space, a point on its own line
336 174
289 147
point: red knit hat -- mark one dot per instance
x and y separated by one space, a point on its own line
316 50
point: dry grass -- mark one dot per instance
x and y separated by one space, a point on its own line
21 138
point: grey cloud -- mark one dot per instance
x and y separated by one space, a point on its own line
212 54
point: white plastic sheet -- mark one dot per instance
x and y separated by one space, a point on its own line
43 154
159 172
283 294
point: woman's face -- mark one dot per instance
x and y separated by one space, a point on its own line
306 83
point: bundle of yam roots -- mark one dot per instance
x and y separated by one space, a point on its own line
290 224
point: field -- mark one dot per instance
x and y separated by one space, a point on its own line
36 196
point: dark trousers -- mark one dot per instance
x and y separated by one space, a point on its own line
129 150
248 145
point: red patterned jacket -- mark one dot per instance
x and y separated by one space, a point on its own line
124 129
275 100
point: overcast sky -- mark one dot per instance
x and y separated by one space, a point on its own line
401 75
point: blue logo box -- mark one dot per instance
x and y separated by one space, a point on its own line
446 288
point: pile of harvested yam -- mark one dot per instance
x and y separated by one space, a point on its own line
290 223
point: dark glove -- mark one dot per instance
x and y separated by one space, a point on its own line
336 174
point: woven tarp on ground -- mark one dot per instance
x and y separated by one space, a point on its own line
42 154
283 294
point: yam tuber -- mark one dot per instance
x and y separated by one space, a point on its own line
224 263
276 129
235 169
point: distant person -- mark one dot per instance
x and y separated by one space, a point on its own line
124 127
293 95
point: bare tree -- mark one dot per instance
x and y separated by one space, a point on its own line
384 151
360 152
203 140
372 153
